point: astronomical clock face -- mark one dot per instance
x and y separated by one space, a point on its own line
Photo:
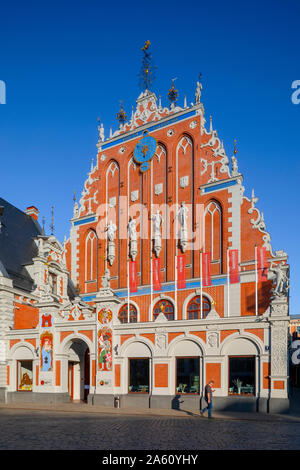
144 151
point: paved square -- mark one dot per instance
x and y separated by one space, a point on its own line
28 429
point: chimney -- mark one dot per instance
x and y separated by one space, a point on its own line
32 211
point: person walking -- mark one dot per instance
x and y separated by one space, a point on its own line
208 391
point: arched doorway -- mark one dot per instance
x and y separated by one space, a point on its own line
78 355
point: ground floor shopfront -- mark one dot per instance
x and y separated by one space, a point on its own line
158 364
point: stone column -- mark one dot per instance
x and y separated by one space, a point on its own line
6 321
279 401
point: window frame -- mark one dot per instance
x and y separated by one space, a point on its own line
204 298
242 394
176 375
149 380
166 315
125 307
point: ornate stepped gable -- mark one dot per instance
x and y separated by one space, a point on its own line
173 126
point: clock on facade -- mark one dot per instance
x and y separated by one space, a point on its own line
144 151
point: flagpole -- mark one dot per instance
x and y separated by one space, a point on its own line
201 285
175 287
128 281
151 235
228 303
256 282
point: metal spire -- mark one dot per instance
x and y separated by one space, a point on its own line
121 116
146 74
52 220
173 93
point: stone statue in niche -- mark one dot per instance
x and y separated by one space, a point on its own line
133 238
182 215
157 223
111 230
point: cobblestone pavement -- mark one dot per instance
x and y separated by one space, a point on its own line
32 430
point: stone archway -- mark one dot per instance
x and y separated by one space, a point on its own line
78 370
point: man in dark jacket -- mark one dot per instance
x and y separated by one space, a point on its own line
208 391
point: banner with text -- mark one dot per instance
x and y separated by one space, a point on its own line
156 274
132 276
181 271
262 264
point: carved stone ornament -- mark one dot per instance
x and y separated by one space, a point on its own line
193 124
279 308
170 132
134 195
112 201
158 189
212 314
279 348
161 340
161 318
184 181
213 340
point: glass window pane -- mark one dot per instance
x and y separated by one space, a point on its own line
242 375
139 375
187 377
25 376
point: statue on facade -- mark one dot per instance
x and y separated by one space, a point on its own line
157 223
234 164
198 93
101 132
182 215
111 230
280 276
133 238
105 279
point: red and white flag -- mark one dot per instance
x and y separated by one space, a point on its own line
132 276
206 276
181 271
262 264
156 274
233 266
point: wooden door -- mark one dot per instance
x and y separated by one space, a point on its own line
71 379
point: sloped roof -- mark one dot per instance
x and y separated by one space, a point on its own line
17 247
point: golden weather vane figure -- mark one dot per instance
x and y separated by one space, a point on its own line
146 74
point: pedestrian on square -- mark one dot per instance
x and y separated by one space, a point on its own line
208 391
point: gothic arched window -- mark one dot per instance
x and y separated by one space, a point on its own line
164 306
213 234
91 256
123 314
194 308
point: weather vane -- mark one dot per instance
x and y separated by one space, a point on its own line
173 93
146 74
235 149
121 116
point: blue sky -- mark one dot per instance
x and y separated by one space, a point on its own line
66 63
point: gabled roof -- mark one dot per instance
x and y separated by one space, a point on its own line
17 247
